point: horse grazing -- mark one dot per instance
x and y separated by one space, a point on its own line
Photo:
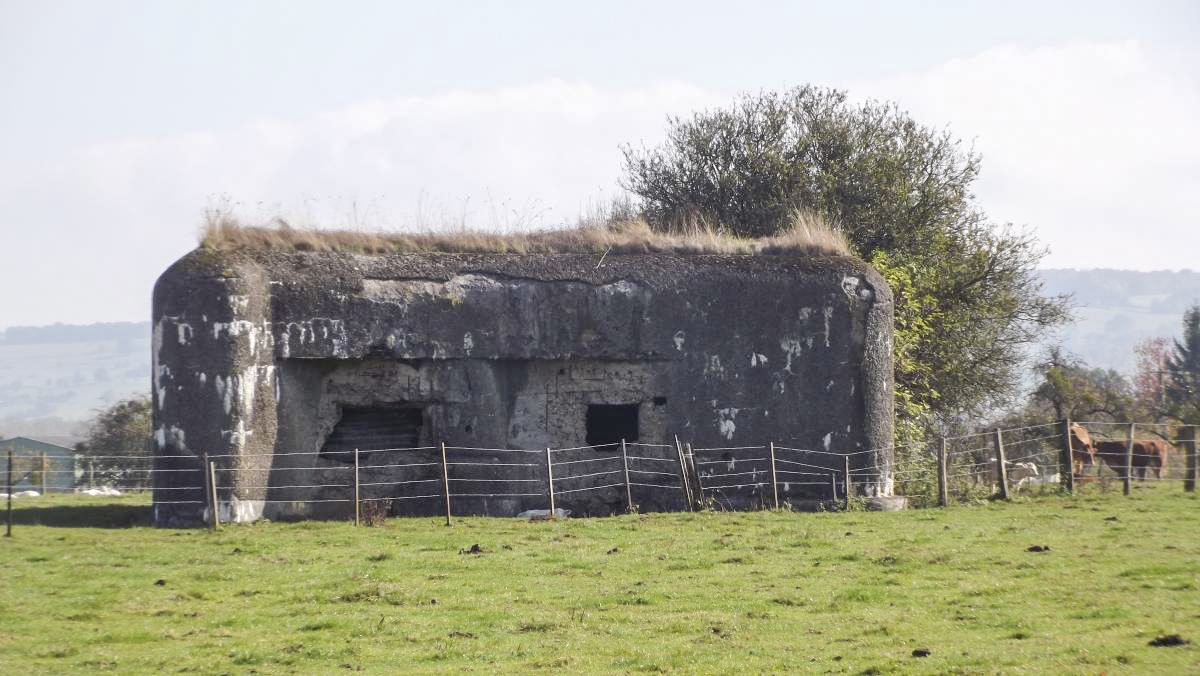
1147 454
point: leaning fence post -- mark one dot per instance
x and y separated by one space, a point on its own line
1001 465
212 487
1190 461
774 481
8 486
1066 459
846 469
357 501
683 475
45 470
942 479
1127 485
625 466
550 480
833 488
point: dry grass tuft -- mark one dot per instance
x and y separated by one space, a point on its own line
809 235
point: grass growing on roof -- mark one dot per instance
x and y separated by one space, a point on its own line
808 235
706 593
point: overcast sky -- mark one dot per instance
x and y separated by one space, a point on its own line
120 122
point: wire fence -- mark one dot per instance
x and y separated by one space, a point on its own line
450 481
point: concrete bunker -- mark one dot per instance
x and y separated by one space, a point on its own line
278 365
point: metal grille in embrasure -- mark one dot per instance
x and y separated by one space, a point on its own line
370 429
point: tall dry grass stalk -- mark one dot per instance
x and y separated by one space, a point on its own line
808 235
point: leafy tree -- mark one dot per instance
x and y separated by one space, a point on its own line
1070 389
967 297
1183 371
1149 382
118 447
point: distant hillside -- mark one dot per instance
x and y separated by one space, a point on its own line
54 377
1117 309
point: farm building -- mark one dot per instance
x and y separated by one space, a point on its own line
40 466
279 364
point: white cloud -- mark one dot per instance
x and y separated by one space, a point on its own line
1094 145
112 216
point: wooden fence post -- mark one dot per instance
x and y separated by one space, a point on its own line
446 483
691 456
942 479
833 488
1191 460
1066 459
208 493
8 486
45 470
91 472
625 466
212 486
684 483
774 480
357 495
1127 486
550 480
846 475
1001 465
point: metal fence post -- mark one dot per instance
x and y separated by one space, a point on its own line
833 487
550 480
625 466
1127 485
45 470
357 496
774 481
1001 465
942 479
446 482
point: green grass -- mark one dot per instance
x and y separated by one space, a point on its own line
714 593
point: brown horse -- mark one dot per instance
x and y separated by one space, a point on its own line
1083 451
1147 454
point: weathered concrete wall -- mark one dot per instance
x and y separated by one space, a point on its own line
256 355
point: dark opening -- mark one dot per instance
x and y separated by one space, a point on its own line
610 423
370 429
660 401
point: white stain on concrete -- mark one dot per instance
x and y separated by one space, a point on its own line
468 343
826 440
791 347
757 359
156 349
725 422
828 316
680 338
850 285
713 367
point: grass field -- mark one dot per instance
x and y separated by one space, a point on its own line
758 592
